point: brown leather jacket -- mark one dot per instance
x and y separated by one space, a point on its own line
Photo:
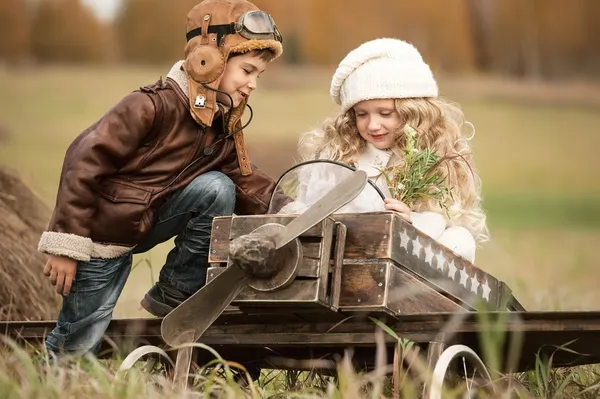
120 170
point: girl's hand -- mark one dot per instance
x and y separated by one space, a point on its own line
398 206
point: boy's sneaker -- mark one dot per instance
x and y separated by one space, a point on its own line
162 298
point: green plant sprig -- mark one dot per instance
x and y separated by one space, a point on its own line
418 178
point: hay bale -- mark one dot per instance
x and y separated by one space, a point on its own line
25 293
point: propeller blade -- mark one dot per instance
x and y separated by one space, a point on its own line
188 321
339 196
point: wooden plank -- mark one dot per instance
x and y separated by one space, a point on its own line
368 235
221 234
325 257
301 291
241 225
219 240
308 268
338 263
310 248
440 267
280 332
363 286
405 294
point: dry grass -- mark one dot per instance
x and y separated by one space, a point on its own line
24 292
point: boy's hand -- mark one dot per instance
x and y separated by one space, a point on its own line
398 206
61 271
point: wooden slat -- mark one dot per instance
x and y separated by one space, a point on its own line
219 240
299 292
324 259
308 268
368 235
241 225
219 249
363 286
311 249
281 333
405 294
338 263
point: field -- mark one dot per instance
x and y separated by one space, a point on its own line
534 148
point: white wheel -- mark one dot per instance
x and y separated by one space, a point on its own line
463 359
141 352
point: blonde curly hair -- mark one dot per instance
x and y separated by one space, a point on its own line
439 125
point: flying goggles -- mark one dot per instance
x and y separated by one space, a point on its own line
252 25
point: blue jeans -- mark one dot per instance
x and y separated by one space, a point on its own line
188 214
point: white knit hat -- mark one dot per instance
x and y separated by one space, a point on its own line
382 68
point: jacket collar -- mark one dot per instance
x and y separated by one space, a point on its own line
178 76
372 160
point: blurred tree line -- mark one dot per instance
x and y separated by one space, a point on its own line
531 38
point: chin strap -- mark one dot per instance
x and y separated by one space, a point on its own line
238 134
240 146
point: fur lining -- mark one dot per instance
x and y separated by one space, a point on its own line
250 45
106 251
65 244
77 247
177 74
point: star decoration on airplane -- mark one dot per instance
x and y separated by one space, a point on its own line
474 284
404 239
429 255
452 270
416 247
486 290
464 277
441 261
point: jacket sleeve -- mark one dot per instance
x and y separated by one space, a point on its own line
97 152
253 192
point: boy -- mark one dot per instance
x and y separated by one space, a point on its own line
163 162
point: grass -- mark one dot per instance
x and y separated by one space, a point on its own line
26 373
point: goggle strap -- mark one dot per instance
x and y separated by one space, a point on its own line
220 30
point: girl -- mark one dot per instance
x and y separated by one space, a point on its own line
385 88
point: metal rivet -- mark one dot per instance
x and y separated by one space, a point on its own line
217 228
214 251
206 17
385 236
359 300
379 296
380 284
212 274
381 270
387 221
